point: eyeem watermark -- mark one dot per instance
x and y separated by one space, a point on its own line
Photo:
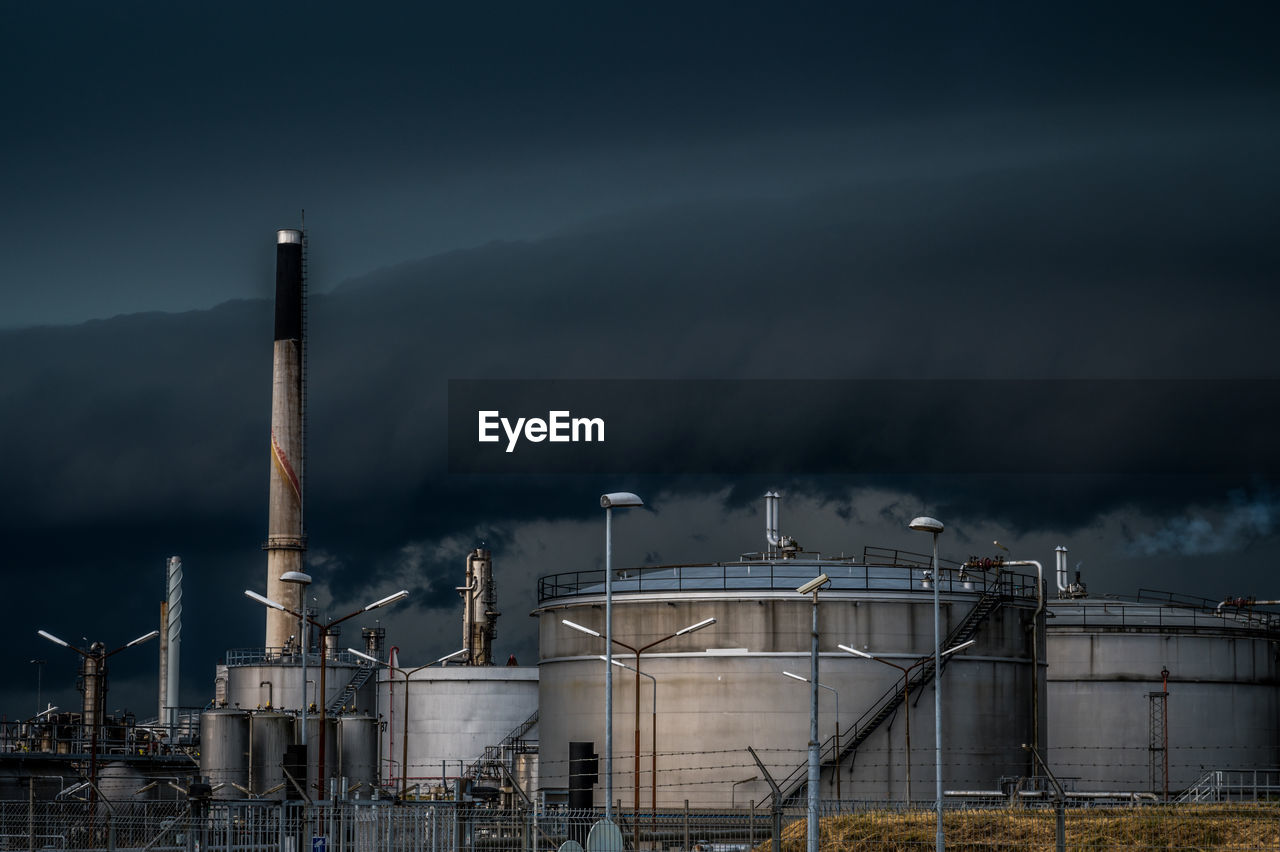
558 428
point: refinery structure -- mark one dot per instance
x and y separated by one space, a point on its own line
1137 699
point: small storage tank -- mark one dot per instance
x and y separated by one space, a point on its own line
1111 722
119 783
358 753
269 734
525 772
224 751
332 758
454 714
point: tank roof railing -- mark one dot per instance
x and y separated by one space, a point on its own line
784 575
1151 612
283 656
893 556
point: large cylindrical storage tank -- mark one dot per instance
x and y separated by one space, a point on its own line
358 754
722 689
454 713
1108 711
269 735
224 751
253 682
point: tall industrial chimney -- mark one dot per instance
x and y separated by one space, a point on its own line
285 537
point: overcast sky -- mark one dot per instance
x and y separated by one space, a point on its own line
736 191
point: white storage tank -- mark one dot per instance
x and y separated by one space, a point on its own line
454 713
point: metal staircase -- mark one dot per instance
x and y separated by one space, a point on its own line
490 764
794 785
359 679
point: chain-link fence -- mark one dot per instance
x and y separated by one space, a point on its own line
386 826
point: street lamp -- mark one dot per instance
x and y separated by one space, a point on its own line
837 695
620 500
324 641
404 746
934 526
815 771
706 622
95 663
906 689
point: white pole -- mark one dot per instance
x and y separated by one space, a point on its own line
608 663
173 635
814 768
939 843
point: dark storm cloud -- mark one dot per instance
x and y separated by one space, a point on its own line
142 134
145 435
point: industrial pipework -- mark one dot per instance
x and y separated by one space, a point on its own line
479 609
286 541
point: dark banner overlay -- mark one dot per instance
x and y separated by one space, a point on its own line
864 426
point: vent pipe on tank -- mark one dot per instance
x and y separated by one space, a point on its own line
771 520
1060 552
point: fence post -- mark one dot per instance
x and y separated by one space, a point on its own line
751 825
1060 809
686 826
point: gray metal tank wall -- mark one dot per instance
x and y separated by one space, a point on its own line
269 734
711 706
224 751
331 756
358 754
454 712
253 686
1105 658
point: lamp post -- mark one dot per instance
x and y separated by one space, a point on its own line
934 526
794 676
324 637
620 500
653 732
815 769
302 580
404 745
653 748
706 622
96 660
906 689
